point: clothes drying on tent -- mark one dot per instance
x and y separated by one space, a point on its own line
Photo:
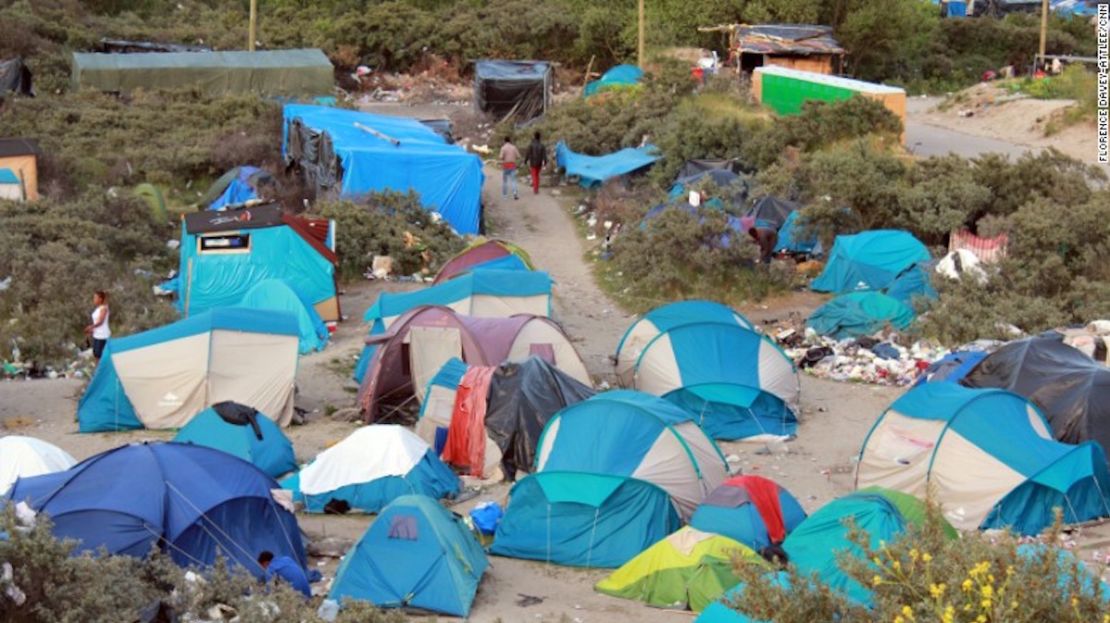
664 318
416 555
241 431
1070 388
415 347
593 171
616 77
237 187
352 154
484 254
370 468
752 510
520 398
23 457
816 544
870 260
689 569
987 456
275 294
224 254
735 382
793 240
613 475
860 313
194 503
951 368
161 378
517 89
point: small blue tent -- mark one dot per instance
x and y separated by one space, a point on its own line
241 431
195 503
791 239
860 313
989 458
415 555
276 294
236 187
372 153
737 509
617 76
870 260
593 171
952 368
614 474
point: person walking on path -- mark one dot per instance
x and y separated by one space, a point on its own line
99 330
509 157
536 159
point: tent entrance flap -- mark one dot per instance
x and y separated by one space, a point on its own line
578 488
739 395
429 349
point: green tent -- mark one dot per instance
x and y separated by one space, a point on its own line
273 72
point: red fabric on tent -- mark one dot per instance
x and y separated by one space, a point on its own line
466 436
764 493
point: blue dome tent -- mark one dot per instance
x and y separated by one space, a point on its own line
616 76
241 431
741 507
416 555
195 503
989 457
614 474
276 294
870 260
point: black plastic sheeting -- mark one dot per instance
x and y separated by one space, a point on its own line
314 153
772 210
522 398
255 217
725 179
520 89
238 414
122 46
1070 388
442 127
15 78
693 167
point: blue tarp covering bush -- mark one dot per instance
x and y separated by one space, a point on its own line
618 76
593 171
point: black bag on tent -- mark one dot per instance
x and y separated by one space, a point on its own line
239 415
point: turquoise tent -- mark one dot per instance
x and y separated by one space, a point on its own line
416 555
860 313
276 294
791 239
241 431
614 474
617 76
870 260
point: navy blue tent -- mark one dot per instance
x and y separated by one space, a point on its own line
195 503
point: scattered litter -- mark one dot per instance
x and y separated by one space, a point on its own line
528 600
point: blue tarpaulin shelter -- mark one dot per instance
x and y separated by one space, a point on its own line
860 313
415 555
276 294
593 171
791 239
366 153
617 76
236 187
194 503
951 368
870 260
241 431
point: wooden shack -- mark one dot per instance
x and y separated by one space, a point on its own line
805 47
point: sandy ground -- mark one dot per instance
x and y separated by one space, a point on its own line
816 467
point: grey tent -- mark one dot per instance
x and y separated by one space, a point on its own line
520 89
15 78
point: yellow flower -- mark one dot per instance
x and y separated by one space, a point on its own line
987 591
897 565
876 560
982 618
937 590
949 615
985 604
1074 602
914 554
966 586
907 612
899 619
926 557
875 581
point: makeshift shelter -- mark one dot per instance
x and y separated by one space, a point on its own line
499 414
275 294
123 46
414 348
870 260
951 368
485 254
370 468
770 213
195 504
735 382
960 263
225 254
1071 389
239 186
161 378
689 569
15 78
20 156
751 510
616 77
11 187
23 457
734 186
243 432
988 458
793 240
416 555
266 72
815 546
860 313
593 171
352 154
614 474
694 167
517 89
797 46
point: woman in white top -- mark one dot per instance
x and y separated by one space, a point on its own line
99 330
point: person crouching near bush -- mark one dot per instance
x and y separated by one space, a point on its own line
766 239
99 330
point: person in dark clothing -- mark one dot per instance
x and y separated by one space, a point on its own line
536 159
766 239
285 568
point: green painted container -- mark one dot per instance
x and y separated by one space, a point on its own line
786 90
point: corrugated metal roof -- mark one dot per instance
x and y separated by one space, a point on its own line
796 39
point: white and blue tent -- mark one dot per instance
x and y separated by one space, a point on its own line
369 469
736 382
277 295
161 378
989 457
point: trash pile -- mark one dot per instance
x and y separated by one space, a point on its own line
878 359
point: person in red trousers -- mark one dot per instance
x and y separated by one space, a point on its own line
536 159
